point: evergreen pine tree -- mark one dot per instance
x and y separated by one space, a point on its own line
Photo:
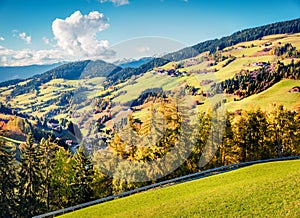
8 180
31 180
61 180
83 169
48 150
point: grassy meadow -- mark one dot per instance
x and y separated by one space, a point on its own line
263 190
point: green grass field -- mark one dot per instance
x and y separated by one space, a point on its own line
147 81
242 63
278 93
263 190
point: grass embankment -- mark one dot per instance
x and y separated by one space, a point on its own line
264 190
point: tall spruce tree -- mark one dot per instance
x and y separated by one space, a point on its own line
48 150
61 180
8 180
83 169
31 200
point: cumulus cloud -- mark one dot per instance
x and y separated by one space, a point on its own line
25 37
2 38
77 34
116 2
46 40
23 57
3 61
75 38
28 57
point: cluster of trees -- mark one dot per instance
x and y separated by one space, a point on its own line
48 177
287 51
146 95
245 84
248 136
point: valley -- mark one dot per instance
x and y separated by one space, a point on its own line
89 129
53 97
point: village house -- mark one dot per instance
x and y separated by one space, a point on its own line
260 64
69 142
295 89
241 47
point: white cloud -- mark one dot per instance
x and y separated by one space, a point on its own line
24 37
3 61
75 38
46 40
116 2
77 34
28 57
1 38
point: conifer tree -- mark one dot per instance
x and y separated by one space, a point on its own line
83 169
48 150
285 131
61 180
8 180
31 200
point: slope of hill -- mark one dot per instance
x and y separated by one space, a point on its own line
280 93
264 190
286 27
99 68
291 26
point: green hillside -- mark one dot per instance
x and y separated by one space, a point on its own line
279 94
264 190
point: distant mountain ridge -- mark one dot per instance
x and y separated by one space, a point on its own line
133 63
23 72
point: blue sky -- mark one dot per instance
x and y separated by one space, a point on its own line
28 34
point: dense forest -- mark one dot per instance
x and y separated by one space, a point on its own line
48 177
